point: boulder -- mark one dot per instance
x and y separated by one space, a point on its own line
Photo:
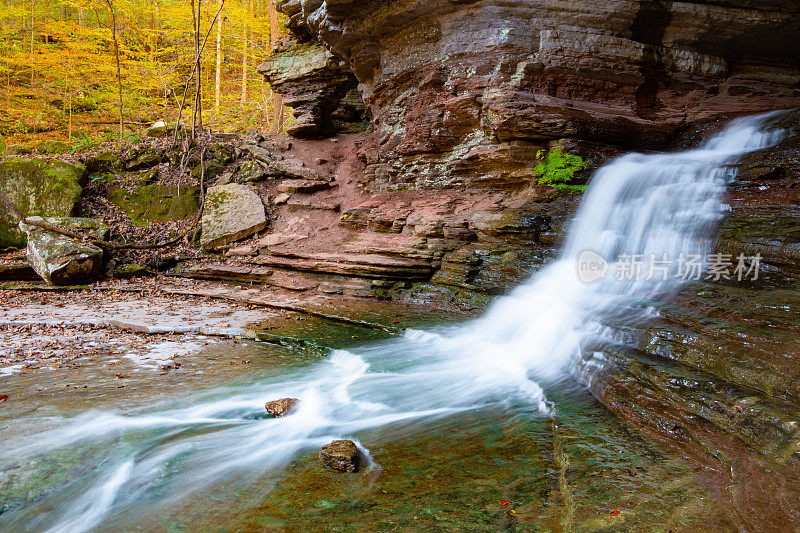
18 149
144 158
105 162
155 202
53 147
61 260
281 407
340 455
158 129
38 187
249 172
212 169
232 212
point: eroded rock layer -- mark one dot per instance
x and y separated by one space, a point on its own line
464 91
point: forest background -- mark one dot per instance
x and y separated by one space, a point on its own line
93 70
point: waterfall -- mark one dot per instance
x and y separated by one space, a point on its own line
665 206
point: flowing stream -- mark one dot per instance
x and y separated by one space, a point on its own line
668 205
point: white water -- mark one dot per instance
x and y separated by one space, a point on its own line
639 204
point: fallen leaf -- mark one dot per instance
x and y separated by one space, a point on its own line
615 512
503 502
512 512
3 397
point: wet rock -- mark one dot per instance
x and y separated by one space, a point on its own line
249 172
281 407
144 158
61 260
340 455
39 187
232 212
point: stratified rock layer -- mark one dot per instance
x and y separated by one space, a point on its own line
462 91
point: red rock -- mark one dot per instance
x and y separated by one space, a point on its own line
340 455
281 407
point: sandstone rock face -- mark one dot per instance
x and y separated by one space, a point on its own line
60 260
463 92
232 212
313 83
340 455
281 407
40 187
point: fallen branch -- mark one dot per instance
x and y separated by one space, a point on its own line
86 236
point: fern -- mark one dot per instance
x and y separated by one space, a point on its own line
557 169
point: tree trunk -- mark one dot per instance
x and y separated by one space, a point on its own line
218 74
113 15
245 47
277 100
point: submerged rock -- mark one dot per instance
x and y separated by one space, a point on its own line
61 260
281 407
340 455
38 187
232 212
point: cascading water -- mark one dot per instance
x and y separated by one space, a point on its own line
661 204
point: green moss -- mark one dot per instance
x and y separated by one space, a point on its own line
39 187
557 169
156 203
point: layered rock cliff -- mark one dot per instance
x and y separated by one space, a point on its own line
464 91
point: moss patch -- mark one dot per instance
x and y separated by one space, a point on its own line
156 203
40 187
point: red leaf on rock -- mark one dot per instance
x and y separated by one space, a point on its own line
3 397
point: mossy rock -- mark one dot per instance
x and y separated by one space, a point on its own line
213 169
39 187
18 149
156 203
249 172
2 146
105 162
222 153
53 147
144 158
131 270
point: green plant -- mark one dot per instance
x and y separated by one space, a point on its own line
557 169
